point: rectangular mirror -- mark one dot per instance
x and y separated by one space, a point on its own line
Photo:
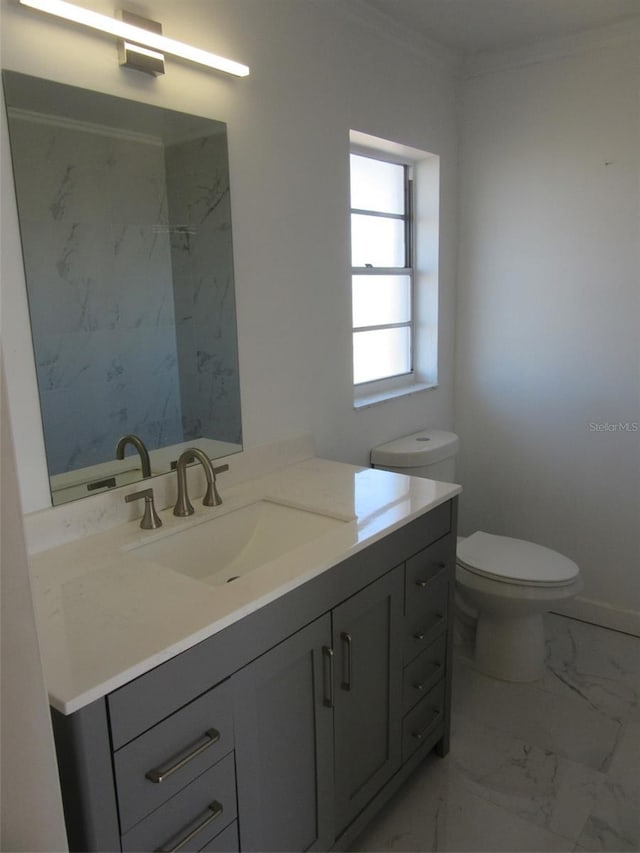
125 221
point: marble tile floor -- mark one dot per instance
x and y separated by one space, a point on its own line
550 765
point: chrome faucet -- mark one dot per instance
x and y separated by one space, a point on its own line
183 505
138 443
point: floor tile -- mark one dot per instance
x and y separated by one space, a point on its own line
562 723
614 823
534 783
600 666
434 812
553 765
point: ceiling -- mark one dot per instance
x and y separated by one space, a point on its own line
474 26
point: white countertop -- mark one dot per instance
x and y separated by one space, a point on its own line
106 615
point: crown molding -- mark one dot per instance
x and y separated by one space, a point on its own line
67 123
385 26
489 62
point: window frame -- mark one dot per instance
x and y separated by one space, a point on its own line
390 382
427 270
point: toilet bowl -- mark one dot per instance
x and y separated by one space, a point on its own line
505 584
510 584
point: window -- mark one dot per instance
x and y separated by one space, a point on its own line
395 247
382 268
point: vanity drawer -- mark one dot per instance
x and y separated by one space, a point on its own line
423 721
156 765
226 842
198 813
423 672
423 627
423 569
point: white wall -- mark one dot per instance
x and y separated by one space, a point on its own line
30 803
549 314
317 71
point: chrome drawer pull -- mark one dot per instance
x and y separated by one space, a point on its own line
215 808
159 774
345 636
327 653
419 735
419 684
421 634
439 565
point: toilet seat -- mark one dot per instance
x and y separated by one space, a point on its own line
515 561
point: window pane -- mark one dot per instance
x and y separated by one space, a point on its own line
376 185
382 353
380 299
377 241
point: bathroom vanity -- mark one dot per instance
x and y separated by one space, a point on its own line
277 711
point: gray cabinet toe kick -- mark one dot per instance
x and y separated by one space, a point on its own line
316 707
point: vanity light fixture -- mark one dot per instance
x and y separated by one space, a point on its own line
137 37
134 55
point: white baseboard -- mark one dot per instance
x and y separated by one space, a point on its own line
600 613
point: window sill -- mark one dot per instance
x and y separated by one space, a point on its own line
368 400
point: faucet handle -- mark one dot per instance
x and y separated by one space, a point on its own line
212 496
150 519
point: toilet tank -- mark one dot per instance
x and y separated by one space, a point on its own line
430 453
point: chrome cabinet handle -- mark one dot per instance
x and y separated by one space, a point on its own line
421 634
419 735
327 653
172 846
419 685
441 565
159 774
345 636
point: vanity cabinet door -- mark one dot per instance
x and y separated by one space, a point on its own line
284 745
368 693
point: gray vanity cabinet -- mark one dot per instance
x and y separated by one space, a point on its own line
287 730
284 753
368 692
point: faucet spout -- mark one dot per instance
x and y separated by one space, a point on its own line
139 445
183 505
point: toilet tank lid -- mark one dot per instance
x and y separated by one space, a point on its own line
421 448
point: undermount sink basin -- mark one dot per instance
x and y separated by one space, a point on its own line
232 545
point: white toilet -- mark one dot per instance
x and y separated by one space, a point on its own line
506 584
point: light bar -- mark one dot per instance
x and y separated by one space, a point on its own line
152 54
128 32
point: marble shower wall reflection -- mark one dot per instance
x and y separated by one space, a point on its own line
119 236
199 202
